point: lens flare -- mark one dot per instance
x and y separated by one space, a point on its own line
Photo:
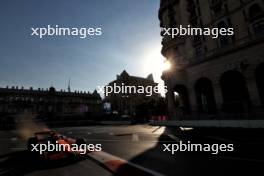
166 65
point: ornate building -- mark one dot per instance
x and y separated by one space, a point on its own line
220 78
17 101
127 103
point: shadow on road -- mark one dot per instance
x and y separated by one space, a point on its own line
193 163
21 163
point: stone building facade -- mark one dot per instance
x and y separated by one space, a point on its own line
126 103
220 78
16 100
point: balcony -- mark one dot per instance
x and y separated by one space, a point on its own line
238 44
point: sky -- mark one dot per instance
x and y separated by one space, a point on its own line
130 41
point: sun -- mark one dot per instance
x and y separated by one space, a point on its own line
155 63
166 65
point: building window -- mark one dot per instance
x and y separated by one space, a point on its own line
181 99
255 16
224 40
205 96
255 12
258 27
216 6
235 92
259 72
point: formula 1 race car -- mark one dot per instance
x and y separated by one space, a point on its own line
49 145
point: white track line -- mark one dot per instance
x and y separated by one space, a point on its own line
106 158
135 137
173 137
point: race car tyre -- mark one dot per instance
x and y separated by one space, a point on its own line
80 141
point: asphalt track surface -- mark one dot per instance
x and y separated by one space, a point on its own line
138 150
